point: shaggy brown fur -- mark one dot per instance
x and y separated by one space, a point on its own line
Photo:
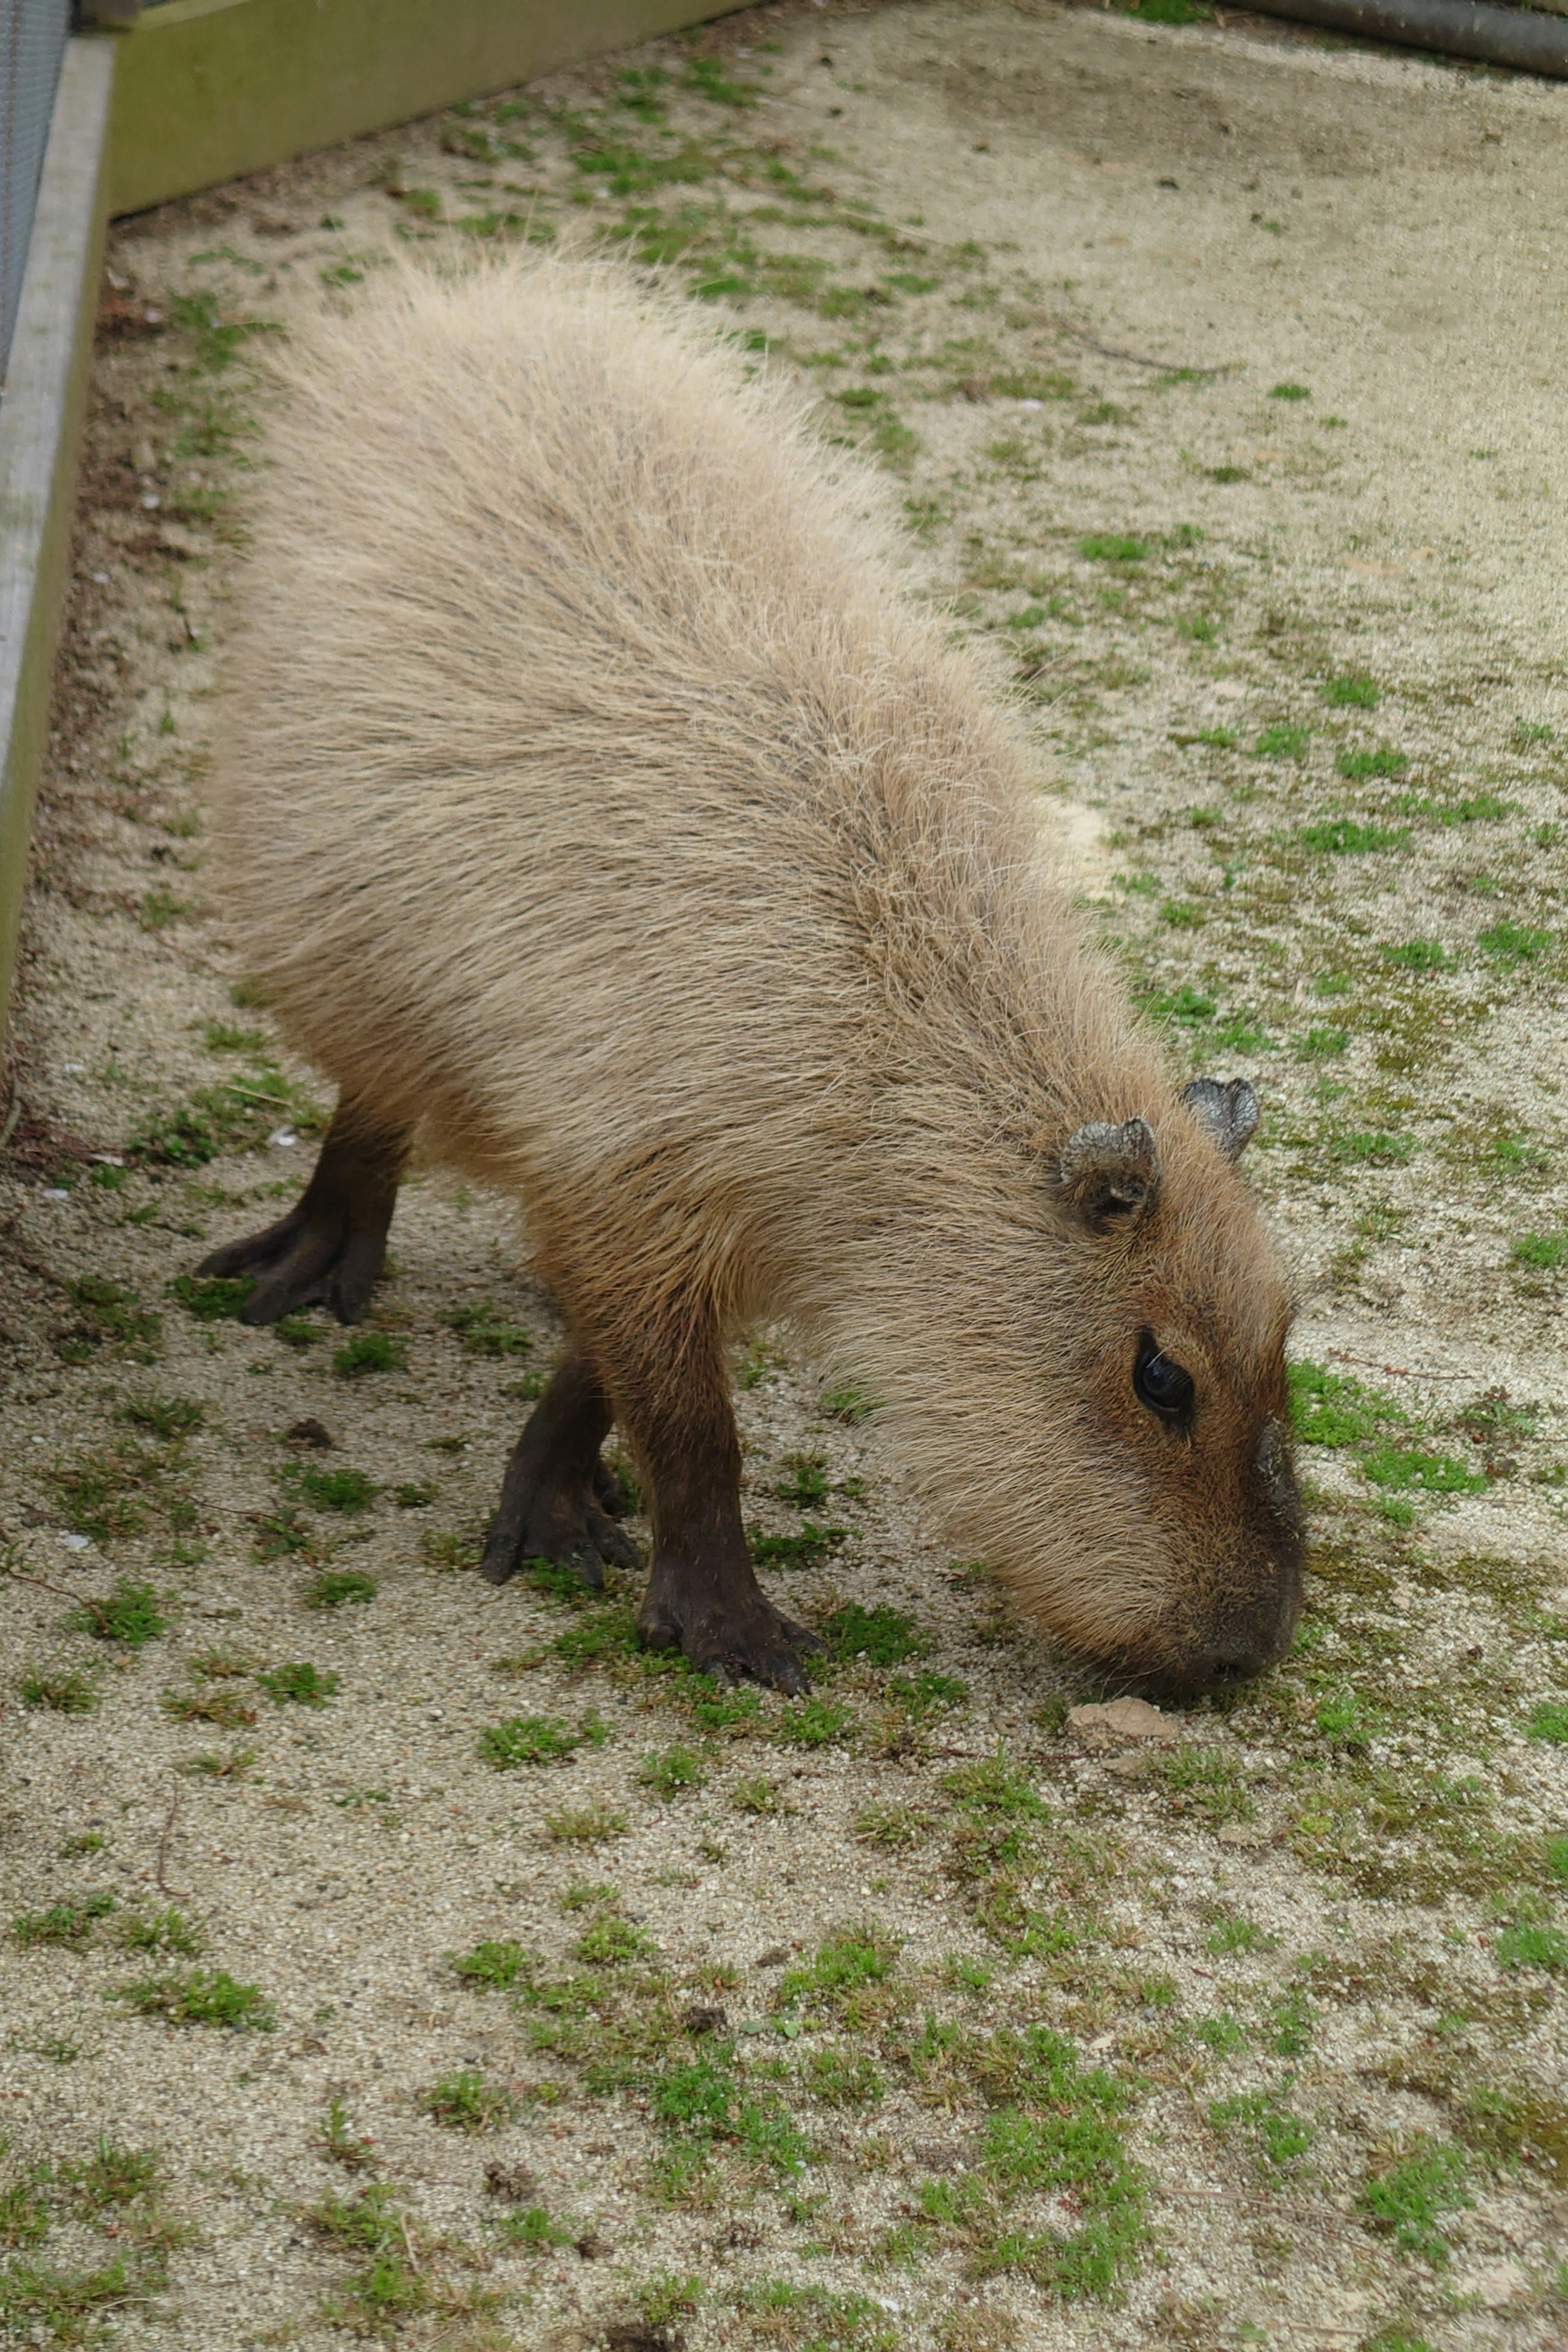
598 806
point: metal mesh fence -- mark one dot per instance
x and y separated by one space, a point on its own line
32 43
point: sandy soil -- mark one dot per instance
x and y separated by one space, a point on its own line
1216 373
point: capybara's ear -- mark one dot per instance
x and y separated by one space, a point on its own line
1111 1174
1229 1112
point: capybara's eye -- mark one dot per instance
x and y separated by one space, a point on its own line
1165 1386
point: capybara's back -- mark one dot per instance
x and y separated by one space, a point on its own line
597 805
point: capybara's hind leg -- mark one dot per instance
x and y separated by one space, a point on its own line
702 1592
557 1498
332 1243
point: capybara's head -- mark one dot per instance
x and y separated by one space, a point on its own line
1177 1562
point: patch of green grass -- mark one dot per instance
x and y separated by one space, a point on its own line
1202 1780
213 1299
199 1996
900 1828
163 1931
1357 765
846 1404
67 1694
349 1491
1368 1148
1408 2200
1236 1935
1276 2137
300 1685
803 1550
485 1331
673 1773
1355 690
336 1586
1111 548
1348 837
882 1636
1530 1943
593 1825
1419 955
1549 1721
918 1694
815 1722
1283 742
469 2101
842 1981
537 1739
1510 943
368 1351
1546 1250
610 1943
757 1794
1408 1468
843 2077
107 1317
414 1496
68 1923
494 1966
169 1418
1321 1042
129 1613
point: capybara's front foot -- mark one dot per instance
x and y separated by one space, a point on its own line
725 1622
558 1501
330 1247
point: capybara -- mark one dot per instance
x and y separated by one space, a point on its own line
599 808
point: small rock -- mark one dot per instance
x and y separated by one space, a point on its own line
308 1432
1242 1834
1123 1718
513 2183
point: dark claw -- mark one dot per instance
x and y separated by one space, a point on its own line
755 1641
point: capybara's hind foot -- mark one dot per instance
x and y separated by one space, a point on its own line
330 1247
726 1625
558 1499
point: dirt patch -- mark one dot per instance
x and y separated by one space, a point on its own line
437 1966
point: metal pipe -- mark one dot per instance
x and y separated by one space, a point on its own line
1460 28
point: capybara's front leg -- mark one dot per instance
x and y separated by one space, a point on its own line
702 1592
331 1245
556 1497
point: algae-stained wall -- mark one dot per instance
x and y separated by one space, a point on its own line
208 89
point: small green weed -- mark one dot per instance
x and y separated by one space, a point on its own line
68 1923
1419 955
368 1351
1346 836
1102 548
300 1684
129 1613
484 1331
467 2100
1408 2200
535 1740
1354 691
1547 1250
334 1587
163 1931
1300 392
349 1491
1283 742
1510 943
67 1694
200 1997
1550 1721
882 1636
673 1773
494 1966
815 1722
1278 2138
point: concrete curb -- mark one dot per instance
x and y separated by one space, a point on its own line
210 90
40 431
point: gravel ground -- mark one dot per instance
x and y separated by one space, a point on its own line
393 1957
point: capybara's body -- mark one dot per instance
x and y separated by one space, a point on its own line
598 806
